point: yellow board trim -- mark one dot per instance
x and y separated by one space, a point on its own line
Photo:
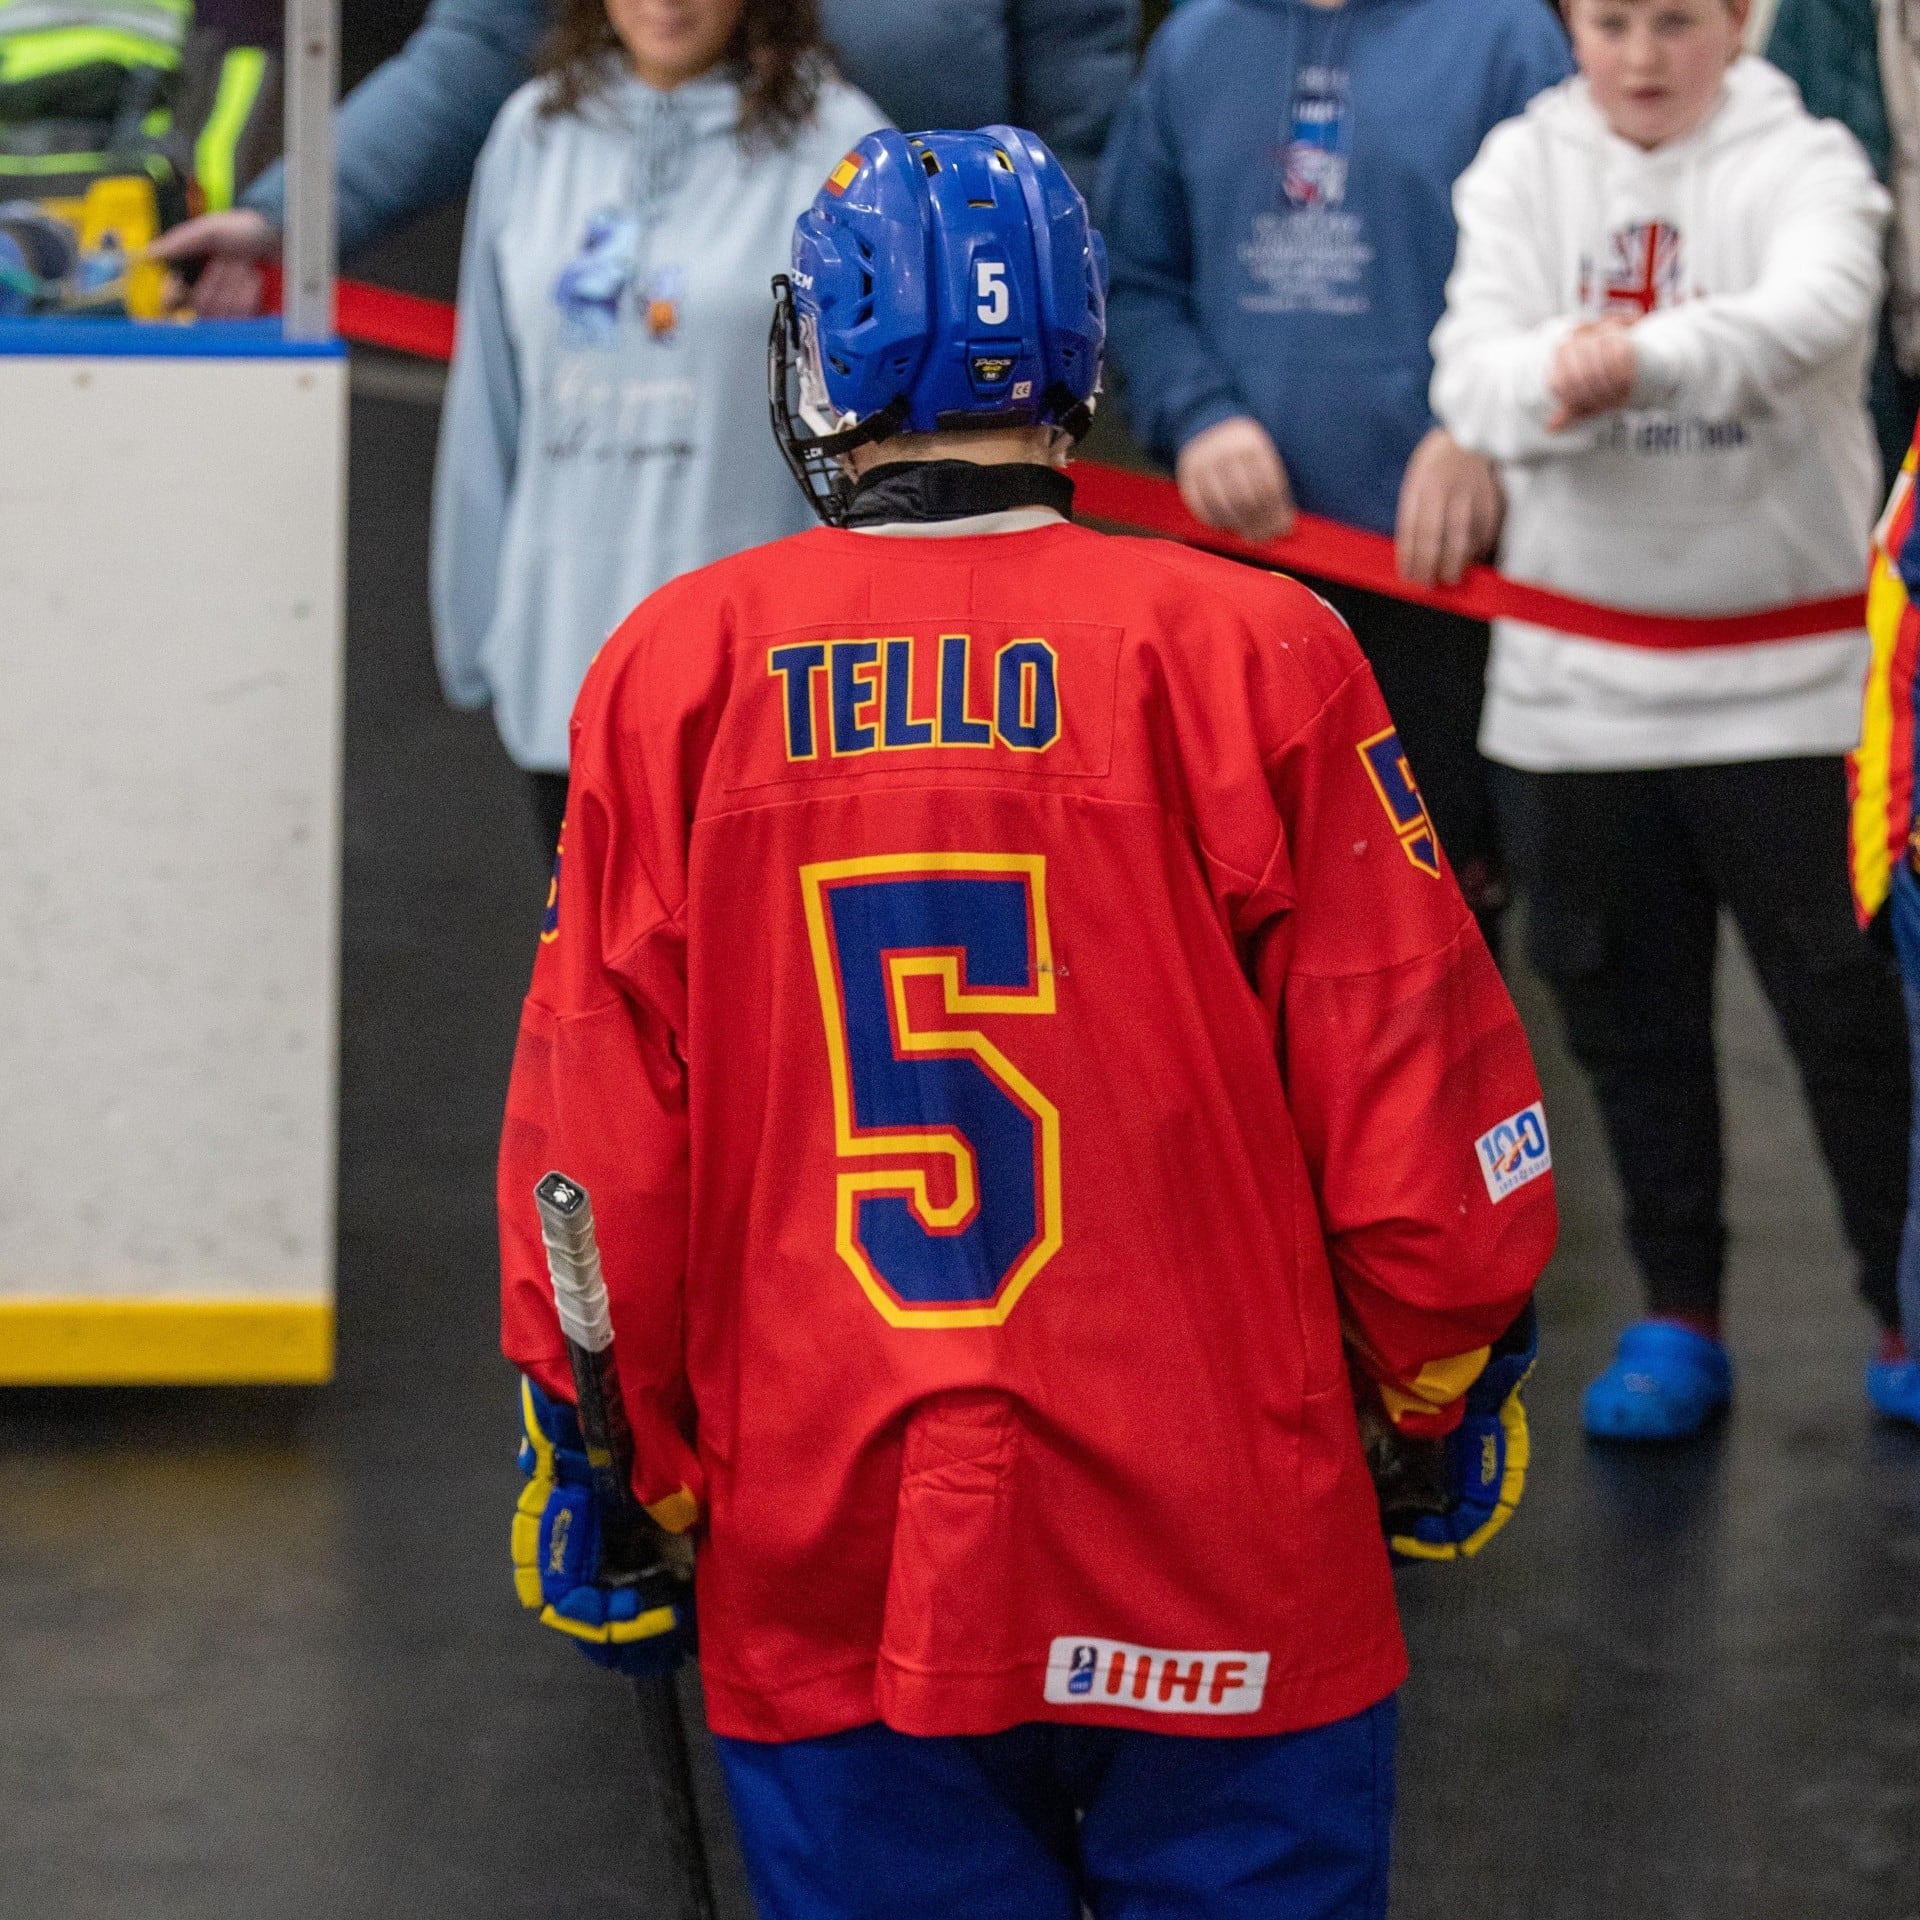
116 1343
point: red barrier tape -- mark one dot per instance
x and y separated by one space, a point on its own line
1327 549
1356 558
400 321
378 317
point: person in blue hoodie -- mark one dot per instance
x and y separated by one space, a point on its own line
408 135
1277 205
605 424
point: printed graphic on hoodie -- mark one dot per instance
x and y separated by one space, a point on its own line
1641 274
662 292
1311 254
1313 171
592 288
602 293
593 283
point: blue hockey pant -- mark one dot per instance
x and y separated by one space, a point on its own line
1043 1821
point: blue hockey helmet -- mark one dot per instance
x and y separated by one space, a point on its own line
941 282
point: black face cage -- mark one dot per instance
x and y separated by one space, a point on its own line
814 459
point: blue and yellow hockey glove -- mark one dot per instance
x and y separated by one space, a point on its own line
1445 1499
636 1626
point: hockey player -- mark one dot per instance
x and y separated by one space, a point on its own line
1033 1069
1883 853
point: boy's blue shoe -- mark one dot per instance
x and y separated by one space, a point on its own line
1666 1383
1893 1388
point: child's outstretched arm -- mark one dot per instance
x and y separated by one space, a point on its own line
1817 295
1493 350
479 442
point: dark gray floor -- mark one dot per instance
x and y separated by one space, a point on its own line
259 1656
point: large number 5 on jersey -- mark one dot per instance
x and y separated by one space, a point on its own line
902 944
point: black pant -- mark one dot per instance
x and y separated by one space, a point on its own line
548 792
1625 874
1432 668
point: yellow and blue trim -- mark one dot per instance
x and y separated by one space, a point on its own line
1392 779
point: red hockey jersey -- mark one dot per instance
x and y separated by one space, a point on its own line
1005 998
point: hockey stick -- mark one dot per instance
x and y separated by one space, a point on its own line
634 1550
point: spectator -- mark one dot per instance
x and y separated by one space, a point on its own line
1279 259
606 420
1660 322
181 103
1828 49
1884 850
408 135
1899 65
1883 772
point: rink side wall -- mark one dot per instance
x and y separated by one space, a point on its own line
171 644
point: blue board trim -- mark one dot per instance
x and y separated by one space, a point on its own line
85 339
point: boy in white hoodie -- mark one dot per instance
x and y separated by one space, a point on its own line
1659 322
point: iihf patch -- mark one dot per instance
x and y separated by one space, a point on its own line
1086 1672
1515 1152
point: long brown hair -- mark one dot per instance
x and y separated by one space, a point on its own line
776 50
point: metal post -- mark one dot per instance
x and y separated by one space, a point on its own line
307 256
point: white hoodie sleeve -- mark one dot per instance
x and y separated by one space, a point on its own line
1504 316
1817 296
479 436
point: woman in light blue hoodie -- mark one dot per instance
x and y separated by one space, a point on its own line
606 420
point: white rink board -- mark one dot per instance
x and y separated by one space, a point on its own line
171 555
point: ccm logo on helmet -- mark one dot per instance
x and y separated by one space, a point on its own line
1083 1672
